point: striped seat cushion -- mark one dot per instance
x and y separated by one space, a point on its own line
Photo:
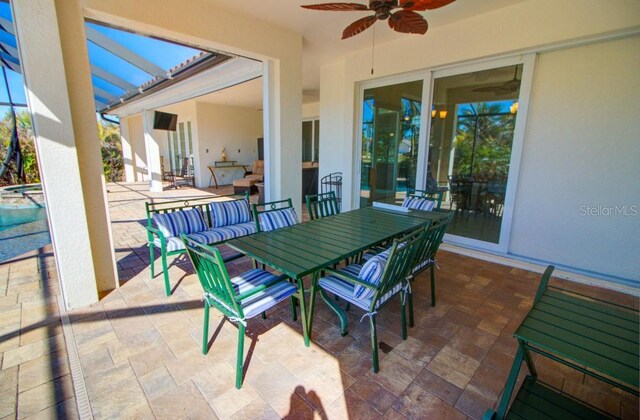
422 264
252 278
277 219
225 213
344 289
173 244
267 298
417 203
221 234
371 272
179 222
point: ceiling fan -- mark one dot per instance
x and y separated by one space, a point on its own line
405 20
505 88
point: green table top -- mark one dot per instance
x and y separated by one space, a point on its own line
588 333
305 248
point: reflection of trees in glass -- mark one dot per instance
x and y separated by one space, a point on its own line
483 141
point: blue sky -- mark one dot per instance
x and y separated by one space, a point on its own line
163 54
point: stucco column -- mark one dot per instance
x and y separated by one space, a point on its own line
55 64
282 104
127 151
151 139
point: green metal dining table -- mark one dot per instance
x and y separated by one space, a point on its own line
306 248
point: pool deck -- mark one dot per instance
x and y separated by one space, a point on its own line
139 352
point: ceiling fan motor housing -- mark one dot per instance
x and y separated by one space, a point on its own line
382 8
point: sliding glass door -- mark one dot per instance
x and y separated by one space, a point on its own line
390 141
474 126
472 130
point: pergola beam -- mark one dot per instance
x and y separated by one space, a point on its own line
112 78
11 65
104 94
124 53
7 26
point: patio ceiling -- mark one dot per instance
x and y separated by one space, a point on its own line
321 31
124 66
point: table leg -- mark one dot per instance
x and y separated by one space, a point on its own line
303 314
213 176
503 404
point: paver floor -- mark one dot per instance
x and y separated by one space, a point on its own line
140 350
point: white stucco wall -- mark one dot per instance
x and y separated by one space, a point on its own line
536 25
136 134
582 150
234 128
311 110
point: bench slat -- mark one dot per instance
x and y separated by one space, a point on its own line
631 336
600 338
598 309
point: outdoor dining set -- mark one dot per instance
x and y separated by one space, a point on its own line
365 258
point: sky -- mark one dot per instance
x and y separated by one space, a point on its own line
163 54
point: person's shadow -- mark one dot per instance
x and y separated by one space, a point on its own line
312 398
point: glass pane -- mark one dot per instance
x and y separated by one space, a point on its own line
472 126
307 138
316 140
390 130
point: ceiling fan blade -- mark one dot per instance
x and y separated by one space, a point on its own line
408 22
422 5
358 26
336 7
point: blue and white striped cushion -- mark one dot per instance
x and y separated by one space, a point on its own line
225 213
178 222
252 278
417 203
173 244
344 289
269 297
221 234
371 272
277 219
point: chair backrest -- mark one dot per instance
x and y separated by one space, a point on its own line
279 211
214 278
258 167
322 205
399 264
332 182
435 196
184 171
200 203
433 238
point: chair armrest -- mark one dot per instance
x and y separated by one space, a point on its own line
350 278
260 288
153 231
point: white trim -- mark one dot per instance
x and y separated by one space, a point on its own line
512 261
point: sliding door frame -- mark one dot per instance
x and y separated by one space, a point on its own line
428 77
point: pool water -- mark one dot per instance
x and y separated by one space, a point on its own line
22 230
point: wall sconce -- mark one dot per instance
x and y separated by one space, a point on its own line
442 113
513 108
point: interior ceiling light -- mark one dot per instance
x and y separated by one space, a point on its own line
405 20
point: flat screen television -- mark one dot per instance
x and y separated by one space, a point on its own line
165 121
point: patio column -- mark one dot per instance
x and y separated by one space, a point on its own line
127 151
55 64
282 104
151 139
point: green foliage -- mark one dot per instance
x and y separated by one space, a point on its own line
108 133
483 143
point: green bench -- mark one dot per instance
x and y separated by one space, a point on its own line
207 220
595 337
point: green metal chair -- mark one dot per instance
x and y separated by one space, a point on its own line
274 215
322 205
239 298
371 286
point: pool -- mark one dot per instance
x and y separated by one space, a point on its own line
23 221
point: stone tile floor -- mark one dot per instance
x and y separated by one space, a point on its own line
140 352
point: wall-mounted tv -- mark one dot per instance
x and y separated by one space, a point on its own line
165 121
